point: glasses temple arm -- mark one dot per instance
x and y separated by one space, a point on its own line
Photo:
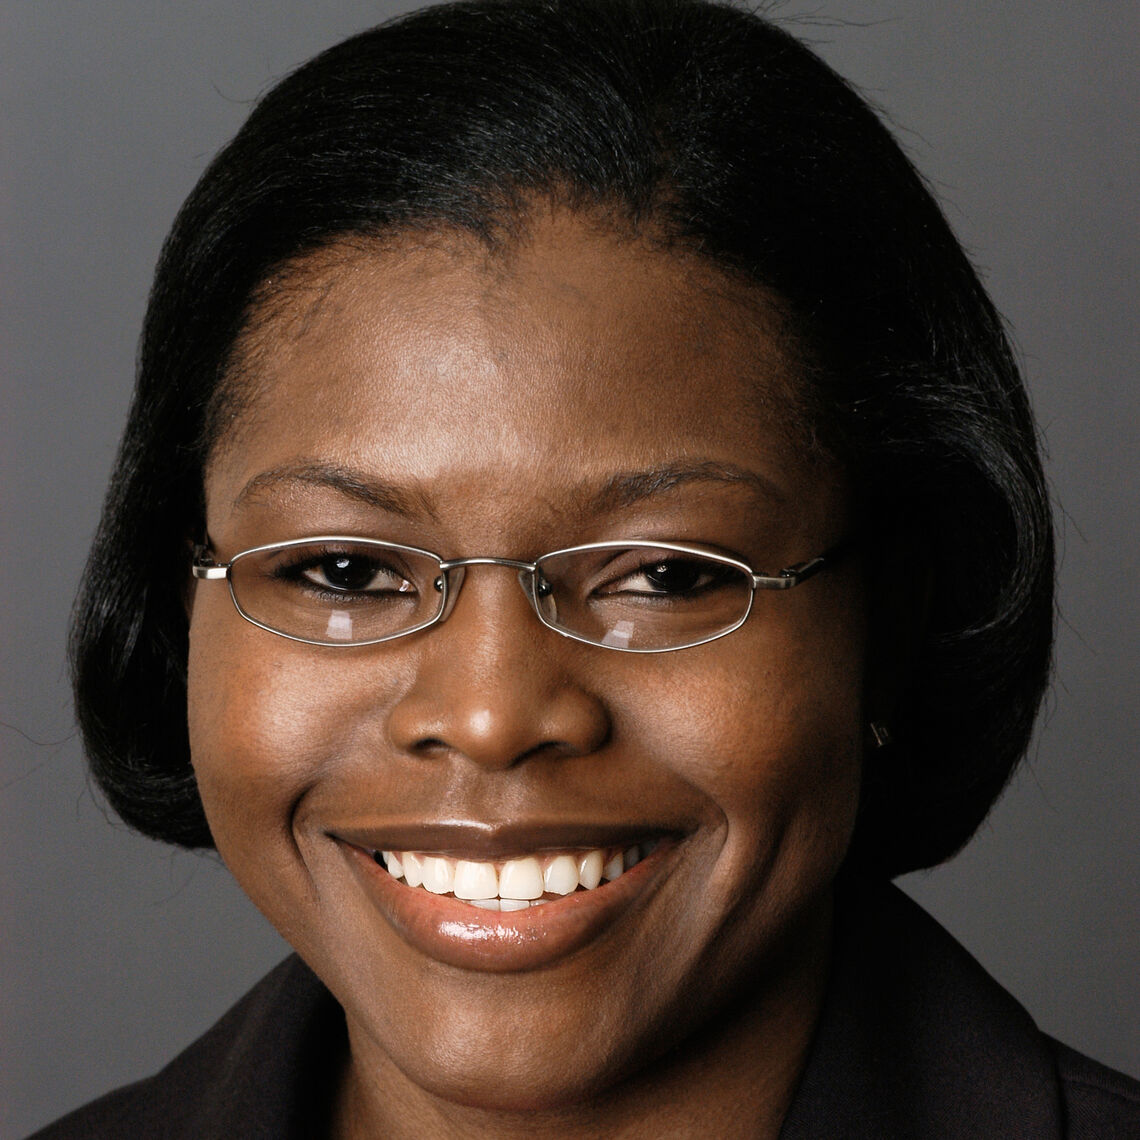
794 575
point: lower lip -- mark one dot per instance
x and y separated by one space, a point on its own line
464 936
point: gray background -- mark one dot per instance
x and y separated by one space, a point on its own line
115 951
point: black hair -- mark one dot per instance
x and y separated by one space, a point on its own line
719 130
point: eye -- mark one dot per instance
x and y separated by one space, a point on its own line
345 572
675 576
356 574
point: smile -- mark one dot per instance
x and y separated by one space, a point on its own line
540 903
513 884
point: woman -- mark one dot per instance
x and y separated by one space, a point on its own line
579 533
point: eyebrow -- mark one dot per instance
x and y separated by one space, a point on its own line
629 487
330 476
623 489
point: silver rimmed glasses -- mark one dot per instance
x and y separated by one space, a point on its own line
636 596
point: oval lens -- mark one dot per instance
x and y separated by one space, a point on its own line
336 591
643 596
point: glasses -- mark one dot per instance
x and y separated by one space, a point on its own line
636 597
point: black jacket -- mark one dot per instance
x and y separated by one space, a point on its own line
916 1042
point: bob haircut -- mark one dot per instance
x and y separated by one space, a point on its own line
691 119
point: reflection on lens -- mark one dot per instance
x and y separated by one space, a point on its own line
340 626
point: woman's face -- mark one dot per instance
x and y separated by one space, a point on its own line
576 389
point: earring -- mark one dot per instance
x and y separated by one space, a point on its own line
880 734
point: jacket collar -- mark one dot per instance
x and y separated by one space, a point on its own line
916 1039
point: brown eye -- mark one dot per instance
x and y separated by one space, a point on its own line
353 574
674 577
362 573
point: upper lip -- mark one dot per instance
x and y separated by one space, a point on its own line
493 841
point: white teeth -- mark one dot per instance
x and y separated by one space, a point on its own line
521 879
413 869
561 875
439 874
475 880
590 869
518 883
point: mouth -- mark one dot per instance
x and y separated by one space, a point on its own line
522 911
514 884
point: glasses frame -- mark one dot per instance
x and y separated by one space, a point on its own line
205 568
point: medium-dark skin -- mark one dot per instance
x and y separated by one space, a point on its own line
488 405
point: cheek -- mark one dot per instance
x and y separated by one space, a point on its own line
767 756
266 722
771 737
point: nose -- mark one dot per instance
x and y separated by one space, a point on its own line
496 687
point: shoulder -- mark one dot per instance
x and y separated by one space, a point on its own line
263 1070
108 1116
1099 1103
916 1039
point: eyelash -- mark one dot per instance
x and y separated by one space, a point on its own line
295 570
646 570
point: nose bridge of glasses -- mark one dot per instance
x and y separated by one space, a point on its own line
455 571
514 563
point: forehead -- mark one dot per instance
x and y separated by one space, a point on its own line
576 349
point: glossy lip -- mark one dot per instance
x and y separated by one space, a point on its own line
457 934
